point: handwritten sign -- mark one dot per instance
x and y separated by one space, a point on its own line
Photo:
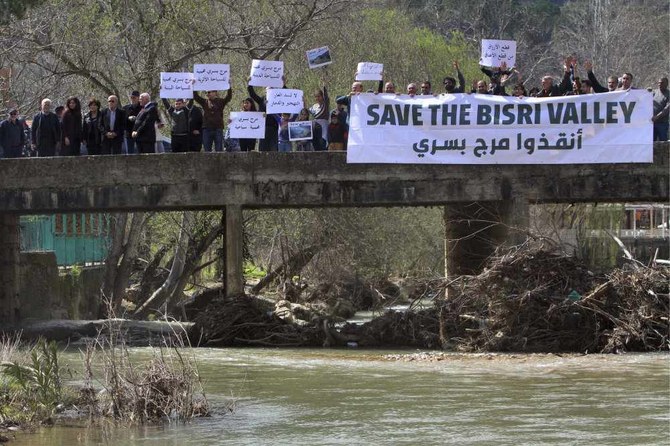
300 131
495 52
319 57
486 129
177 85
267 73
283 100
247 125
211 77
369 71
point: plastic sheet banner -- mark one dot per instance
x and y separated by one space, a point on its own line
484 129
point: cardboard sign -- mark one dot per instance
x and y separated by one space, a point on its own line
211 77
267 73
495 52
369 71
247 125
177 85
319 57
283 100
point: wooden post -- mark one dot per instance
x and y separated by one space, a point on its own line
234 269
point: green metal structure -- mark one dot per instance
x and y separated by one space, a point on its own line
75 238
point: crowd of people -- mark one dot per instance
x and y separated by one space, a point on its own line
198 124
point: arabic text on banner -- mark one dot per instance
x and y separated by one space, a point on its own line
284 100
211 77
247 125
176 85
495 52
484 129
267 73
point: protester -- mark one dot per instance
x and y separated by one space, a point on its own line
248 144
131 111
12 136
450 83
270 142
113 127
59 112
180 125
317 142
411 89
519 91
212 125
144 129
661 97
320 111
71 128
46 131
426 88
612 81
93 128
283 141
338 133
626 82
195 127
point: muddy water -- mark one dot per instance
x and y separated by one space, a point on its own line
354 397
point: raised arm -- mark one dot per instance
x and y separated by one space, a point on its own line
597 87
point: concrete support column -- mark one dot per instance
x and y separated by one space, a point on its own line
234 270
474 230
10 258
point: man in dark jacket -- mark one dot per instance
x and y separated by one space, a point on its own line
144 130
131 111
113 127
194 126
12 137
180 125
46 131
612 81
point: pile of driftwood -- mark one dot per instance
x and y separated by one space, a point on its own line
538 300
529 299
250 321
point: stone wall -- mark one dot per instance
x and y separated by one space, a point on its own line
47 293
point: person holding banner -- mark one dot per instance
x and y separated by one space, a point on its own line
270 142
661 118
248 144
212 124
180 125
320 111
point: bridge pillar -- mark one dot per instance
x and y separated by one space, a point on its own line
10 258
474 230
234 269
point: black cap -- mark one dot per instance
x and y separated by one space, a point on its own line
13 111
135 93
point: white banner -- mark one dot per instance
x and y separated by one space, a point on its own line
267 73
284 100
495 52
247 125
211 76
369 71
319 57
484 129
176 85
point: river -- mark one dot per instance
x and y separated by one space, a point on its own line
357 397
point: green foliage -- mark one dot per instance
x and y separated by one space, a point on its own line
253 272
39 381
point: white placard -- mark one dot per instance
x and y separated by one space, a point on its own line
176 85
284 100
319 57
369 71
267 73
247 125
300 131
495 52
485 129
211 77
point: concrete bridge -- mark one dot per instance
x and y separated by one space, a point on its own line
234 181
